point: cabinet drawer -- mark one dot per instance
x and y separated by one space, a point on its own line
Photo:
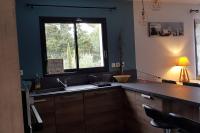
148 100
137 120
135 99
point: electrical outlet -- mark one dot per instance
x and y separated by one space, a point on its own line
123 64
21 72
117 64
113 65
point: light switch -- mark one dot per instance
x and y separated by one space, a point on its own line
113 65
117 64
21 72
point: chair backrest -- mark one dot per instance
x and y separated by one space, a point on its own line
178 121
191 84
185 124
155 114
168 81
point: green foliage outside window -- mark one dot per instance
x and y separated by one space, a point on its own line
60 43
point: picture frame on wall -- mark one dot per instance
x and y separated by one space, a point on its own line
165 29
55 66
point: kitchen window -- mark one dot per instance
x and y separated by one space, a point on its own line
80 43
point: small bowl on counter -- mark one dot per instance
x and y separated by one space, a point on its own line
122 78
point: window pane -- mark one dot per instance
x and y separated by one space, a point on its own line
90 47
60 43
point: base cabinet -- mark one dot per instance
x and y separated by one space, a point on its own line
104 111
136 119
46 108
69 113
188 110
100 111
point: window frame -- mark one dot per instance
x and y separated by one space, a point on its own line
195 41
74 20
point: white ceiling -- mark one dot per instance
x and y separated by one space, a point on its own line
178 1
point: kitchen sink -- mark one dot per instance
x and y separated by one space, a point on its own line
80 87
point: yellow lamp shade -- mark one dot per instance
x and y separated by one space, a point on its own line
183 61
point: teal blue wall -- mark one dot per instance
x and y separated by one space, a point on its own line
29 30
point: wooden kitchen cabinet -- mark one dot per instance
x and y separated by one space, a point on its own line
46 109
69 113
104 111
136 119
188 110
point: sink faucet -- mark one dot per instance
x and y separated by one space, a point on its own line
59 81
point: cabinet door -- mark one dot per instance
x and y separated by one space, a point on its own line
104 111
137 121
46 109
69 113
188 110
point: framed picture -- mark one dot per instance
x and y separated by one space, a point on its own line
165 29
55 66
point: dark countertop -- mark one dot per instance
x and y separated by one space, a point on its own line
167 90
164 90
76 89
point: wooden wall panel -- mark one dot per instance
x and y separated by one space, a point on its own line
11 120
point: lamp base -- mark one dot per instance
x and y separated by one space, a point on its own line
184 75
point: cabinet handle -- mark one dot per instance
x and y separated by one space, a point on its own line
36 114
40 101
146 96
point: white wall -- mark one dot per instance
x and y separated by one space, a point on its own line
158 55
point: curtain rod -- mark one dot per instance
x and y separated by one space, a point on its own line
71 6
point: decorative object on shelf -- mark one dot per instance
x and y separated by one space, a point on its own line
122 78
156 5
143 15
55 66
183 62
166 29
121 54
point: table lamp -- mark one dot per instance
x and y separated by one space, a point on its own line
183 62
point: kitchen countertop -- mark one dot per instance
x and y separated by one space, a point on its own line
165 90
75 89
